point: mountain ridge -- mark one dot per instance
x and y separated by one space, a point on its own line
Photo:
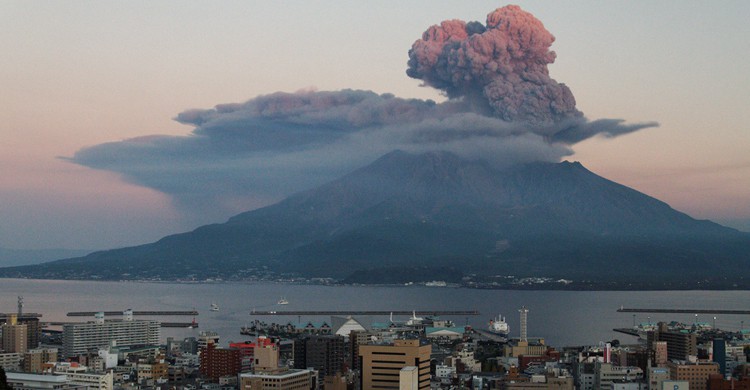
437 211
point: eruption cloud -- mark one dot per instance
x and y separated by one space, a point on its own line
499 68
502 107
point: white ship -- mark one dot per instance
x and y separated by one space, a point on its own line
283 301
499 326
214 307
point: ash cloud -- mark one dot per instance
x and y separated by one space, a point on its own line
502 107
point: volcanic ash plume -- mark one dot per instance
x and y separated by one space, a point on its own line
499 68
503 108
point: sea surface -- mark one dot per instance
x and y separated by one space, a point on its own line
562 318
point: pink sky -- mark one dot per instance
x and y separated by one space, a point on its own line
76 74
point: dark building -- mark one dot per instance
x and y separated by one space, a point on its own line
218 362
324 353
720 355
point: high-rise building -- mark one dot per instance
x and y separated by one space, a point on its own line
324 353
382 363
660 353
79 338
720 355
218 362
14 338
680 346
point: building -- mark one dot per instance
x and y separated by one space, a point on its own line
205 338
718 382
607 375
247 351
408 378
719 347
681 345
218 362
15 336
31 320
289 379
381 363
23 381
80 376
555 383
657 376
11 361
696 373
80 338
324 353
660 353
34 359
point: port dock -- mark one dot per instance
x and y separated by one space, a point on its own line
136 313
683 311
364 312
162 324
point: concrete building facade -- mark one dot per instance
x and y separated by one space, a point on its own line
381 363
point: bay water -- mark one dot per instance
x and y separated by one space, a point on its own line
562 318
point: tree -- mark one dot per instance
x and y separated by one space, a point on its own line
4 380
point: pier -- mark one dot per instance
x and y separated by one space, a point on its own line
162 324
683 311
628 331
365 313
136 313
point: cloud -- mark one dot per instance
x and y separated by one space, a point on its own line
503 107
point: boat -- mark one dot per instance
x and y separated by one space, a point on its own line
499 326
214 307
283 301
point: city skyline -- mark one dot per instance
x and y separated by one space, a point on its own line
79 75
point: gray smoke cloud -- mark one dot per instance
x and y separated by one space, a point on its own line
502 107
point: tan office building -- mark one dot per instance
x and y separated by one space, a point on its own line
382 363
14 336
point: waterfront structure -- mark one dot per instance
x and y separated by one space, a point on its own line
81 337
343 326
14 338
381 363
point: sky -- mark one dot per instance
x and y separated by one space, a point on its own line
77 78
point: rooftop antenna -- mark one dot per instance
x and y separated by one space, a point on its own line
524 315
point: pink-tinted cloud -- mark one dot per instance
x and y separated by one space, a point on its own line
499 68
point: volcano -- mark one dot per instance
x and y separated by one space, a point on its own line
437 216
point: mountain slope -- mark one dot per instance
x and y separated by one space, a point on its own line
433 212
